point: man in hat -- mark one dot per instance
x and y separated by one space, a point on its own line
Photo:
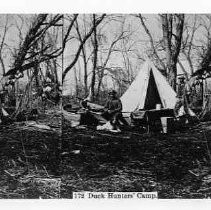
113 109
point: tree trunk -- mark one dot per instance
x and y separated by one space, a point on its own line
55 71
85 72
95 45
172 26
87 36
172 74
76 82
101 75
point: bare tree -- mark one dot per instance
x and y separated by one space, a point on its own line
154 50
188 45
172 28
100 48
36 31
80 47
2 43
122 45
172 25
84 56
95 57
111 49
206 49
38 45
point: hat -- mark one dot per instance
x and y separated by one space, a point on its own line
112 92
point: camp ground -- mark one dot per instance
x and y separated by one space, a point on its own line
105 103
148 100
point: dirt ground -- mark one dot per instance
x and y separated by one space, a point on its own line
39 163
30 159
174 165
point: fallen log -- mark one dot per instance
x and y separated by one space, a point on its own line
113 136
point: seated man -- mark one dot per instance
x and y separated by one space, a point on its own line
113 110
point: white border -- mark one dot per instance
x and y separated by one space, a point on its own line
109 6
105 205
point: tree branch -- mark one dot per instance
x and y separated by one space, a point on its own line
151 40
87 36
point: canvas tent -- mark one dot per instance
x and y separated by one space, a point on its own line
149 88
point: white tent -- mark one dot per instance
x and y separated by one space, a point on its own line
149 88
